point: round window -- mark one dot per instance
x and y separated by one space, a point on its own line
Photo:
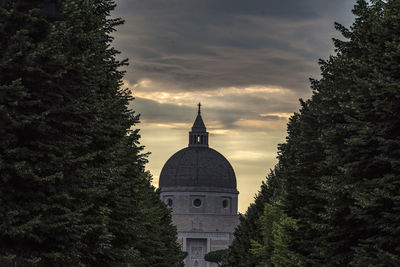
169 202
197 202
225 203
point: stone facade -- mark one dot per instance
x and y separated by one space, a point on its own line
199 185
202 226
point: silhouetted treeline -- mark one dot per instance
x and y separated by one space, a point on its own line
73 188
334 197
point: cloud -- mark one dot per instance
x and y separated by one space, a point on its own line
247 62
224 108
199 45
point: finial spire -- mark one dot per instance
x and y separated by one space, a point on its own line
199 112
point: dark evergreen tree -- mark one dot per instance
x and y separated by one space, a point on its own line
73 190
362 138
276 228
43 142
249 228
216 256
339 166
300 164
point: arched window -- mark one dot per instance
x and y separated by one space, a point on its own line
169 202
225 203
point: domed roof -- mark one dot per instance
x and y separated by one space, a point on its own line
198 167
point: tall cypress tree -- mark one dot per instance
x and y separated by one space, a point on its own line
362 139
43 141
338 161
339 165
249 228
73 189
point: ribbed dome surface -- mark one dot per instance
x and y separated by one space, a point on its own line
198 167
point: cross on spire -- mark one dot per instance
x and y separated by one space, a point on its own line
199 108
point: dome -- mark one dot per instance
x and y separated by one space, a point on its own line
199 167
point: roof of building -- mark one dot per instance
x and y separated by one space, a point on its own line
198 125
198 166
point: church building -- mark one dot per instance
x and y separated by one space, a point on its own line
199 185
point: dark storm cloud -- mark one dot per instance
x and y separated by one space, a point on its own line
200 44
153 111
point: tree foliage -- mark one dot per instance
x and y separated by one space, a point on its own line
339 167
216 256
249 227
275 228
73 189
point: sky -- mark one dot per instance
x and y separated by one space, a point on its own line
247 62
